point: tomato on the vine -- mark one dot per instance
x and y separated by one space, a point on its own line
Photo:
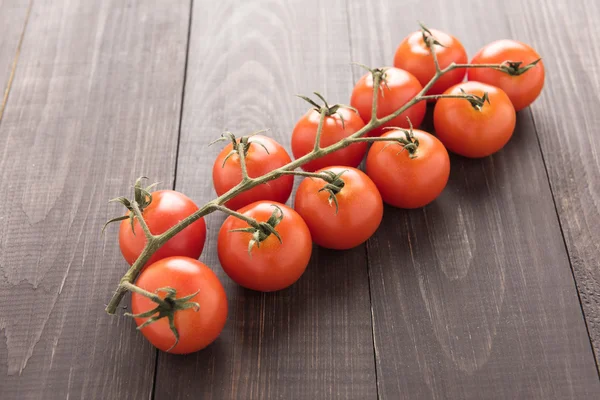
470 130
398 89
167 208
263 155
346 213
414 56
261 260
525 82
197 327
412 174
337 126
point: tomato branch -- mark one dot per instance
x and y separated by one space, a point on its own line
247 183
431 41
138 214
324 111
250 221
152 296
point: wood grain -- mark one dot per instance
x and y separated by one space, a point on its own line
312 341
473 296
566 119
95 103
13 17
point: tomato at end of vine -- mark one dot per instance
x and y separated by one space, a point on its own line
197 326
346 221
399 88
473 131
409 177
414 56
522 87
271 263
336 127
262 156
167 208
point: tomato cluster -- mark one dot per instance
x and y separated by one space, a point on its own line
265 245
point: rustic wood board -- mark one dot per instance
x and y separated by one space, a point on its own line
95 102
567 119
13 19
314 340
473 296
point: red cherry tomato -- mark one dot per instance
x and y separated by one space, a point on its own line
167 208
472 132
359 212
197 328
401 87
408 180
414 56
271 265
336 127
258 162
522 89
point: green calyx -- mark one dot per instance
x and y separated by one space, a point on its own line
141 196
514 67
428 37
333 187
326 108
166 308
374 72
409 142
239 145
477 102
262 230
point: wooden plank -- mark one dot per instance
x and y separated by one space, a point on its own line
473 296
13 17
313 340
566 118
95 103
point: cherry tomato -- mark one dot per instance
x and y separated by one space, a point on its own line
358 214
259 161
522 89
473 132
270 264
197 327
401 87
414 56
167 208
336 127
409 179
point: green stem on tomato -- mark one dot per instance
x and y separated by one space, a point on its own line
250 221
324 112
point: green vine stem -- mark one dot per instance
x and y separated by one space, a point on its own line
154 242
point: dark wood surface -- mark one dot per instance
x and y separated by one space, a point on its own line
95 102
490 292
13 18
566 120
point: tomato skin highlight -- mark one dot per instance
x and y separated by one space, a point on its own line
258 163
334 130
273 265
407 182
401 87
469 132
197 329
521 89
414 56
167 208
359 215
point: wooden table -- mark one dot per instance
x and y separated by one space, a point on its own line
491 292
